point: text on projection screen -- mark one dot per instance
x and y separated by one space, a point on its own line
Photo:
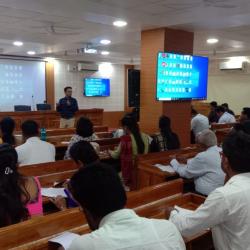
21 83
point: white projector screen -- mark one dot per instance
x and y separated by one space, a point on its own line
21 83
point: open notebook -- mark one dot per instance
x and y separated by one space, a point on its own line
53 192
165 168
65 239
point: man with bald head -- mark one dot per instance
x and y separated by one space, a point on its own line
205 167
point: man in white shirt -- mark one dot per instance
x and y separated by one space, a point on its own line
199 122
205 167
34 151
99 191
227 209
224 117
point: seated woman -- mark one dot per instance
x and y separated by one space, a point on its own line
84 132
166 139
20 196
132 143
7 127
83 154
205 167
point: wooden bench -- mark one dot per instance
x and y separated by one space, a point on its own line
35 233
105 144
37 228
221 134
51 172
148 175
47 168
217 126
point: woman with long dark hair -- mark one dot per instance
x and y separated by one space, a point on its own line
7 127
20 196
132 143
166 139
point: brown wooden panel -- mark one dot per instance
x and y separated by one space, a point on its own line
47 168
154 192
180 114
50 119
201 107
112 119
50 84
153 41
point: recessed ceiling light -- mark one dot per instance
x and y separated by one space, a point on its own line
105 41
212 40
18 43
105 53
90 51
120 23
31 53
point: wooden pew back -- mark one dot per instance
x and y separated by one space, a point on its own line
217 126
47 168
72 219
50 179
136 198
221 134
147 175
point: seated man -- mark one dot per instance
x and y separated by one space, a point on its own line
199 122
224 116
205 168
212 117
226 210
226 107
34 151
99 191
245 115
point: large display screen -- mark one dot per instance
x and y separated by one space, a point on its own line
181 77
96 87
21 83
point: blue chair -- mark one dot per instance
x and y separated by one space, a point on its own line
43 107
22 108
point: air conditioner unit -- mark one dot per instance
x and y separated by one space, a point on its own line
232 65
72 68
87 67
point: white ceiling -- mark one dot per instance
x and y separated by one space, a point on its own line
59 27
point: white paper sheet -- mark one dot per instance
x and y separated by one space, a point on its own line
53 192
64 239
183 211
165 168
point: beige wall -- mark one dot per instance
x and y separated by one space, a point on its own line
115 102
232 87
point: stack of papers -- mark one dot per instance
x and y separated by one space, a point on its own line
53 192
165 168
64 239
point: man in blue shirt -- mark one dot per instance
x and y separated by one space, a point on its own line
67 107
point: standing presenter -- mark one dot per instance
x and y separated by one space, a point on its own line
67 107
